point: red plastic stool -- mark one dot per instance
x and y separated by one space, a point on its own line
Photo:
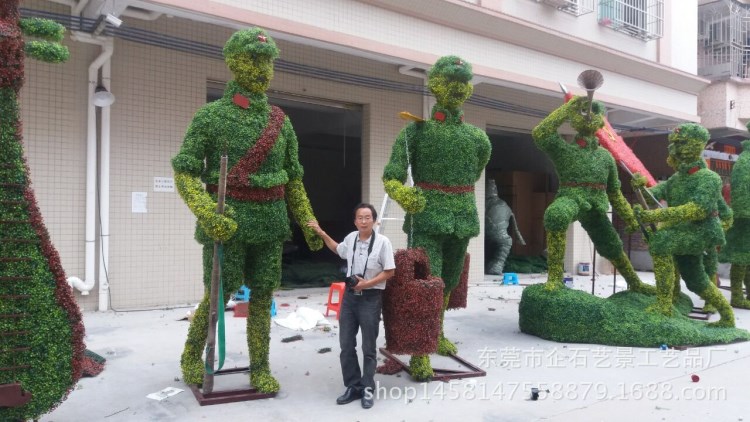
335 306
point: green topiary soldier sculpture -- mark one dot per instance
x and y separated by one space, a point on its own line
690 226
588 184
737 249
264 174
447 158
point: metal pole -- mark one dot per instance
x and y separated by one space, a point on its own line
214 299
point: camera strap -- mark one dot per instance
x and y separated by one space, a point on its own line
369 251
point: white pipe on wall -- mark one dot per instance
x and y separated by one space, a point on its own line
104 153
409 71
107 47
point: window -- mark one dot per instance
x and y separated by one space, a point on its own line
641 19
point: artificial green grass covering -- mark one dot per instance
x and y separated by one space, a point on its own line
525 264
310 273
575 316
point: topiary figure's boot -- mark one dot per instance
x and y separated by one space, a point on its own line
713 296
445 347
623 265
191 361
420 368
737 275
555 259
258 342
664 273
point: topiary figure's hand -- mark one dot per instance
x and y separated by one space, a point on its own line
410 198
638 181
575 106
631 226
726 223
217 226
220 227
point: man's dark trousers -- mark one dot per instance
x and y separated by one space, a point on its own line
360 311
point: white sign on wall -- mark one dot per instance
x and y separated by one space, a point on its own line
163 184
139 202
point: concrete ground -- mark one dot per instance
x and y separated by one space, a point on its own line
585 382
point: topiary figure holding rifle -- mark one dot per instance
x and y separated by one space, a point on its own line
447 158
689 226
264 177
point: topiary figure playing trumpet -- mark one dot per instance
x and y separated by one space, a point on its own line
588 185
264 175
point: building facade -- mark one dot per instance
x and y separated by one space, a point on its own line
347 68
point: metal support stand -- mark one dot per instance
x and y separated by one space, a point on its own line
229 396
697 313
442 374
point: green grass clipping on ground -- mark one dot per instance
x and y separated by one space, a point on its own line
574 316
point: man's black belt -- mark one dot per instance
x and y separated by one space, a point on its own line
367 292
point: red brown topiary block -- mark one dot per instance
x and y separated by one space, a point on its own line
458 295
412 305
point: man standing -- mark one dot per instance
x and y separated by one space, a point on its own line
369 259
264 174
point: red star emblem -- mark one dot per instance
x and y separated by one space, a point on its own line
581 142
262 38
241 100
693 169
439 115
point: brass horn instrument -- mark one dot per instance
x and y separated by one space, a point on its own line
590 80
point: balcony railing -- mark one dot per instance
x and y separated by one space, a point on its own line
573 7
642 19
724 40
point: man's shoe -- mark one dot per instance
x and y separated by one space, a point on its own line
349 396
367 398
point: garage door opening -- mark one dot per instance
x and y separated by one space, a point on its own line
527 182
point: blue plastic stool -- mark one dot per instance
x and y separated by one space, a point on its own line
242 295
273 307
510 278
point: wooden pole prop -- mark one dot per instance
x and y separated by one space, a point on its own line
214 299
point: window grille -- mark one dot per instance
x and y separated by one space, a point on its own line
724 40
573 7
642 19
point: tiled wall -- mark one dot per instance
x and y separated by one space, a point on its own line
153 259
55 143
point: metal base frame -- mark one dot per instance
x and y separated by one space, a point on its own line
442 374
229 396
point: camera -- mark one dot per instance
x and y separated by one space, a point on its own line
113 20
352 281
